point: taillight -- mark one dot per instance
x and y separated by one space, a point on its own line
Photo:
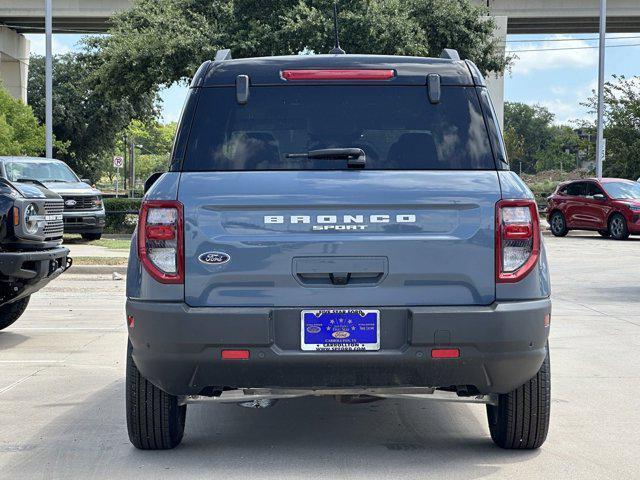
368 74
517 239
160 240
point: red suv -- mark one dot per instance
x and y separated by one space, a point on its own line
610 206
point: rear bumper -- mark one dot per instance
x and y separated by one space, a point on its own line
178 348
24 273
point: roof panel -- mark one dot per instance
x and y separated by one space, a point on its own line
267 70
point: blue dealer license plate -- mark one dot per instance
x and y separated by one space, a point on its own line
340 330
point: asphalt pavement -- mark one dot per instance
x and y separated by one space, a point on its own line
62 398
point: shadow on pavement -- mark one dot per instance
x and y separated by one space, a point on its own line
300 438
9 339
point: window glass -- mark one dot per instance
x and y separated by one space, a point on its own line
576 189
592 189
623 190
43 171
396 126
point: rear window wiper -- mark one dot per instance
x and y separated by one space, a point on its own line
355 157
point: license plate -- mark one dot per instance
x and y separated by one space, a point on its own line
340 330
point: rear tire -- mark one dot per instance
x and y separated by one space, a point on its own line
558 224
618 227
155 421
91 236
521 419
12 311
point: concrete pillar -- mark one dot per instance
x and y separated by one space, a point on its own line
495 82
14 62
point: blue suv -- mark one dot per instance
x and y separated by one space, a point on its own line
341 225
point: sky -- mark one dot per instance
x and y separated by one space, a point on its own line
556 71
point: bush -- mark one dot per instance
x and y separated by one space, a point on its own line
119 216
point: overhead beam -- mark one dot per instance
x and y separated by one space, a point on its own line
524 16
69 16
564 16
572 25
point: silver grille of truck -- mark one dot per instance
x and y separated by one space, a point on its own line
53 227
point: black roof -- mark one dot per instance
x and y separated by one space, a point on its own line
267 70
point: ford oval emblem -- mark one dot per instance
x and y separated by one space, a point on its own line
214 258
70 203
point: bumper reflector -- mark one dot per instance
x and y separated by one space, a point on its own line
445 353
131 321
235 354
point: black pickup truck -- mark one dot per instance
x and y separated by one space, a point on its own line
31 255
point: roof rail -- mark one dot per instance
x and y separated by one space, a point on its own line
222 55
450 53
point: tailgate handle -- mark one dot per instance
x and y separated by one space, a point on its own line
341 271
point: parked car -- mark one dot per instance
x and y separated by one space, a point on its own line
83 209
341 225
30 251
610 206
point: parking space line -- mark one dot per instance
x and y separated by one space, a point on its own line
18 382
79 329
31 361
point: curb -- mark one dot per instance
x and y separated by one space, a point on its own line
97 270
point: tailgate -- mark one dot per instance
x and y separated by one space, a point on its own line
339 238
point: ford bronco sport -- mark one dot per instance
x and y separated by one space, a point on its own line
339 225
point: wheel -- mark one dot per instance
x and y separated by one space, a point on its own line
558 225
521 418
91 236
604 233
155 421
618 227
11 312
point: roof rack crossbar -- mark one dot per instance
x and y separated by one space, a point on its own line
222 55
450 53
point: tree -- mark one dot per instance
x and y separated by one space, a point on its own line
514 143
153 142
532 125
561 151
622 127
84 116
20 132
533 139
159 42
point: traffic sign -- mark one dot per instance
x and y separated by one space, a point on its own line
118 162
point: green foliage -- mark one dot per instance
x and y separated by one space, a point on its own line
85 117
159 42
622 127
118 220
20 132
156 138
533 139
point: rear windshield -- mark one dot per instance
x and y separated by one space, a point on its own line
397 128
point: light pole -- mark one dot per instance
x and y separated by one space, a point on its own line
48 82
600 144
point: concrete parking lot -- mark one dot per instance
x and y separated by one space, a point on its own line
62 398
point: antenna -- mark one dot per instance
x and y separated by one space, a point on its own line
336 50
